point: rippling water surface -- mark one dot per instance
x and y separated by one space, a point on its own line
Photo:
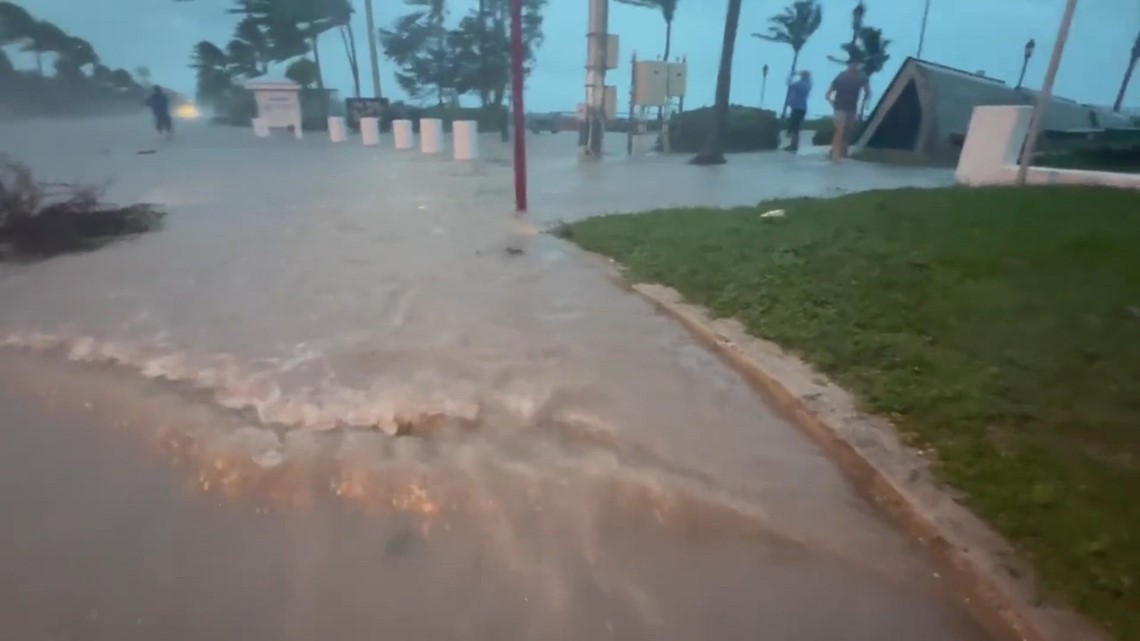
327 403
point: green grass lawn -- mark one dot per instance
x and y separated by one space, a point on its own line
1001 327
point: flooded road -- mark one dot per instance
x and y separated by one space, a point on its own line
326 402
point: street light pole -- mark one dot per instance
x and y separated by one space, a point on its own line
922 34
1029 48
1127 75
517 82
763 84
1046 93
594 129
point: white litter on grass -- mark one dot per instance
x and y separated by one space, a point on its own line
774 213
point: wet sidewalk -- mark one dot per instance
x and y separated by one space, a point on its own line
308 298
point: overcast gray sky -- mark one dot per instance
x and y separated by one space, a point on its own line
970 34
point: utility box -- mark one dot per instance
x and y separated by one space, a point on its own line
613 45
611 102
649 83
678 79
278 103
611 52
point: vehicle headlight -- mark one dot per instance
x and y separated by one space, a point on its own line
187 111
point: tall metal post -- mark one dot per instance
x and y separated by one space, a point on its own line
922 34
373 57
1046 93
1127 75
632 101
518 53
597 38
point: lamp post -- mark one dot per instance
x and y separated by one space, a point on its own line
1046 94
922 33
517 82
763 84
1127 75
1029 48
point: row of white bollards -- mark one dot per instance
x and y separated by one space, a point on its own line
465 135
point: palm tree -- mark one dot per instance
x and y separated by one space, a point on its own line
309 18
713 151
215 78
668 9
44 37
1133 58
16 24
869 50
74 54
794 27
142 72
251 45
857 16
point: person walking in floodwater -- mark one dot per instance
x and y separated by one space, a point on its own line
798 92
159 105
844 96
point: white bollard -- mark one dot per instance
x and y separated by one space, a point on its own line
370 131
402 132
466 139
431 135
260 128
336 128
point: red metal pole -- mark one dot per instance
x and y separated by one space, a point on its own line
517 58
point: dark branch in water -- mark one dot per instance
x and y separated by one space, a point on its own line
40 220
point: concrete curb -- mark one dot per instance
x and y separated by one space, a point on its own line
997 586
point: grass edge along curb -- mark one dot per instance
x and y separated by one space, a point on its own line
647 236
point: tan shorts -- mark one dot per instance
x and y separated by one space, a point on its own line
843 118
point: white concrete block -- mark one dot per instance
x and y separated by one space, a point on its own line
402 132
993 142
431 135
465 134
370 131
336 128
992 149
260 128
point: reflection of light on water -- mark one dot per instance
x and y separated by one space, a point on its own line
436 483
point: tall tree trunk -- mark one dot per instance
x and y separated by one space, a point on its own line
668 38
484 94
373 55
40 63
317 61
323 100
713 152
348 39
1124 85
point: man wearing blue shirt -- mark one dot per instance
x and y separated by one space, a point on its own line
798 92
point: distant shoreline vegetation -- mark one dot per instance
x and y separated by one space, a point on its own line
77 83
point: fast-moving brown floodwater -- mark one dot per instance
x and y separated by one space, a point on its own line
325 403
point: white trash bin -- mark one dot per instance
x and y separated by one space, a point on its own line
431 135
336 128
403 135
370 131
466 139
260 128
